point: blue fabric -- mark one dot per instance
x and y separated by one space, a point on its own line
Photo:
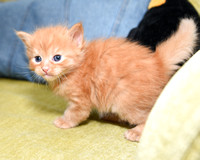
100 18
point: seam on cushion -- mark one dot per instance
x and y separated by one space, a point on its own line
12 60
120 15
67 11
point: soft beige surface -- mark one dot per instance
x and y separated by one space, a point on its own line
27 111
172 131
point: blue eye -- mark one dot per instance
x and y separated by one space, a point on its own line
38 59
57 58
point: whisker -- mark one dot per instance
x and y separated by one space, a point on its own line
35 78
22 67
59 80
65 76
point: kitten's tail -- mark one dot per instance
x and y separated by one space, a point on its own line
179 46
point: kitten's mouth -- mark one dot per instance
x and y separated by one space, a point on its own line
48 77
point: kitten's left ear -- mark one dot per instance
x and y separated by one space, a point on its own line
76 33
25 37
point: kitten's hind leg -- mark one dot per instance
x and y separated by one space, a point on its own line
134 134
73 116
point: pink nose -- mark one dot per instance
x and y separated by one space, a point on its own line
45 69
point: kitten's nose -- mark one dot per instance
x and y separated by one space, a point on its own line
45 69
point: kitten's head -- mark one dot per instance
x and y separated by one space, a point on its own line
54 51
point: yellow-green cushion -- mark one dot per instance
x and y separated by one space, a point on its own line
172 131
27 132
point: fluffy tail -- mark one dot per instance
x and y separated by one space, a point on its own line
179 46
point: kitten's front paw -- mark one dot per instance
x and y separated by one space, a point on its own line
133 135
61 123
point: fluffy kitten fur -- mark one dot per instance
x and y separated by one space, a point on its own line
113 75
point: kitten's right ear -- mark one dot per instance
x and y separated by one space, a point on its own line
25 37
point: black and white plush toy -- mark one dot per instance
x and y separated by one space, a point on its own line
160 22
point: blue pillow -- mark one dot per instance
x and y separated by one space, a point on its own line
100 18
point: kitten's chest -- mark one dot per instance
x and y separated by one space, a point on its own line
71 88
64 89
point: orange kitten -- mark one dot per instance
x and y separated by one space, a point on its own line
113 75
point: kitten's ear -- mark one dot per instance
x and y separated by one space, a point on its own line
25 37
76 33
